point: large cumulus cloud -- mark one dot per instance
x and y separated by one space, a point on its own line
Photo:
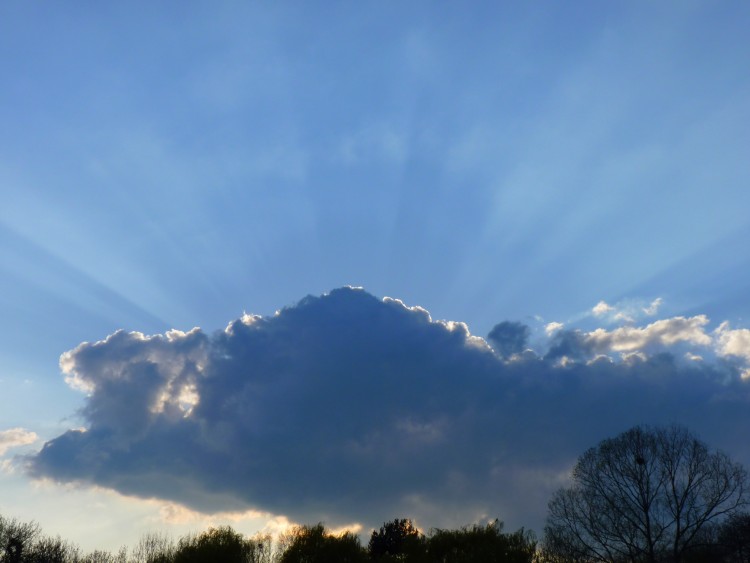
349 408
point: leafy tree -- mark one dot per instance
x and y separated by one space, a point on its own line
397 540
647 495
480 543
313 544
16 539
215 544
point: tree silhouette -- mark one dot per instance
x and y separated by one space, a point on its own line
215 544
16 539
154 548
397 540
312 544
734 538
480 543
646 495
51 550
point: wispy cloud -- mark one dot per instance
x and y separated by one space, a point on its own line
349 408
626 312
601 308
16 437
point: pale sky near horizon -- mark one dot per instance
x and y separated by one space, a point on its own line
170 166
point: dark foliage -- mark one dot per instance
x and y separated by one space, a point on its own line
734 537
312 544
216 544
481 543
16 540
397 540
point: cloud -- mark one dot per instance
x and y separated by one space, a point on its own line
351 409
177 514
508 338
734 343
601 308
664 333
15 437
628 311
653 307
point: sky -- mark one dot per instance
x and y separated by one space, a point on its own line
267 263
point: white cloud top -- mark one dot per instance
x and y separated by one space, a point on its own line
734 342
665 332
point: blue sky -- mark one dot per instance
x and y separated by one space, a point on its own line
177 166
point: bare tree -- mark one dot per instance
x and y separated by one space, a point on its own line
153 547
645 495
52 550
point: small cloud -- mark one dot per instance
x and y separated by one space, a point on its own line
16 437
509 338
601 309
553 327
633 357
353 528
600 358
627 311
624 317
653 308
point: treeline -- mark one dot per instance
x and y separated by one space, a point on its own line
396 541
